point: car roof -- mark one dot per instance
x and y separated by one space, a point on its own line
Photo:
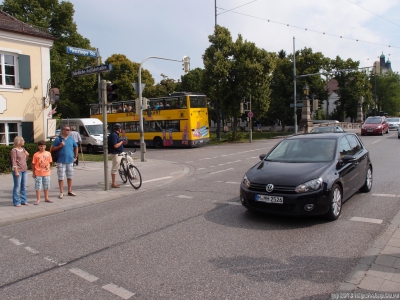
322 135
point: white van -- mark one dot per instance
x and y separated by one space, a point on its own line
91 131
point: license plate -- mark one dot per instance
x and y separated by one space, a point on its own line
370 130
269 199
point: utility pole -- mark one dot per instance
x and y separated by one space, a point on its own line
105 140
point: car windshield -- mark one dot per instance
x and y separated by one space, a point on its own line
393 120
303 151
373 121
324 129
95 129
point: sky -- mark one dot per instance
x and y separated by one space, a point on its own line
172 29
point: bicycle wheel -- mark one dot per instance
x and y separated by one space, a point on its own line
134 177
122 170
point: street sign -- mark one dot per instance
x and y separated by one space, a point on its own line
298 105
81 52
91 70
250 114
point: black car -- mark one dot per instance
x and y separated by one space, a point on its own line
310 174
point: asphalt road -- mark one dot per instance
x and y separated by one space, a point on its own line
193 240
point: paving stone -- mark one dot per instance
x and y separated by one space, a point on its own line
390 286
381 271
371 283
385 260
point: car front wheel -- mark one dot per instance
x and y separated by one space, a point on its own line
335 203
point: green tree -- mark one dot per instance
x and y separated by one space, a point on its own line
388 92
75 93
193 81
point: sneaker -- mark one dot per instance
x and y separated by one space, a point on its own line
61 195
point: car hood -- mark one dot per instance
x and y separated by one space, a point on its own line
287 174
372 125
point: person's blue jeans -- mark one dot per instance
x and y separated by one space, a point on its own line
19 190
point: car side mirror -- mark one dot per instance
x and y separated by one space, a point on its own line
348 158
262 156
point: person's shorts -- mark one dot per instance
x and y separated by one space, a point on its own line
42 181
65 168
116 160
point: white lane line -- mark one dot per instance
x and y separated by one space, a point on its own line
232 182
119 291
201 168
366 220
184 196
32 250
83 274
375 141
385 195
16 242
175 173
221 171
190 161
232 203
162 178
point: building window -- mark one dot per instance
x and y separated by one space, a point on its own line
7 70
8 131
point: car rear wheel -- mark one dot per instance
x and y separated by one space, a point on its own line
335 203
368 182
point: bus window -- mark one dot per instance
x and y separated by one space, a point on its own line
197 101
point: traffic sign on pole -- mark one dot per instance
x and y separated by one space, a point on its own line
91 70
250 114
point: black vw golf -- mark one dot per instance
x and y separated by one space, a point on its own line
310 174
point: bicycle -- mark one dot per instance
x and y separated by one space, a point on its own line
128 171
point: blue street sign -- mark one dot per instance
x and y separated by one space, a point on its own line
298 105
81 52
91 70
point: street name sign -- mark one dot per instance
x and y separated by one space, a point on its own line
298 105
91 70
81 52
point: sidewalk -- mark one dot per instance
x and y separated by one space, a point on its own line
88 184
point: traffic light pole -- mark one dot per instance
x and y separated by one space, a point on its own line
142 143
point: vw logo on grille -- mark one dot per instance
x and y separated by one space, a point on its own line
269 188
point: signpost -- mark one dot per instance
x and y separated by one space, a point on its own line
91 70
298 105
82 52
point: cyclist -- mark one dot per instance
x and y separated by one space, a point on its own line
116 147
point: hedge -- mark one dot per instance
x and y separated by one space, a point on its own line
5 158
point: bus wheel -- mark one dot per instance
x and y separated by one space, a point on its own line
89 149
157 142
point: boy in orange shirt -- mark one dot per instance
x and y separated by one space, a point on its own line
41 172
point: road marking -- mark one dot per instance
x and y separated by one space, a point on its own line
32 250
201 168
119 291
175 173
366 220
232 182
83 274
151 180
375 141
184 196
385 195
221 171
16 242
232 203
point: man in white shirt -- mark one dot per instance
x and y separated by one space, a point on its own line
77 138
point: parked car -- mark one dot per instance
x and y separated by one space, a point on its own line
394 123
323 129
309 174
375 125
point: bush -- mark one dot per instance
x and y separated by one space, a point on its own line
5 158
234 136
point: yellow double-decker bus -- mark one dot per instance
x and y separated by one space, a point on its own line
180 119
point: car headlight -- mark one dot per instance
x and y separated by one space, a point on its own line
245 181
362 127
99 142
309 186
379 127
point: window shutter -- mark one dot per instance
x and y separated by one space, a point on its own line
27 132
24 67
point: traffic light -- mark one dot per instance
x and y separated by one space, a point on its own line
145 103
186 64
137 105
315 104
241 108
111 92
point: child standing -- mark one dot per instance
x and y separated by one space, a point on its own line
41 172
19 156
